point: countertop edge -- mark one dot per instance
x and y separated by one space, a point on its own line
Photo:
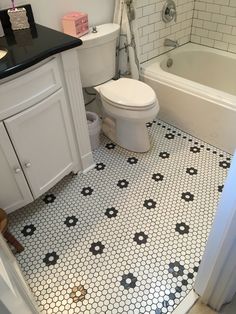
36 60
33 60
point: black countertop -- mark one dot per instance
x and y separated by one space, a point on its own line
30 46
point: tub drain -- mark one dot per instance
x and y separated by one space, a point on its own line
169 63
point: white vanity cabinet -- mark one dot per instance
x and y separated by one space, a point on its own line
43 131
14 191
43 141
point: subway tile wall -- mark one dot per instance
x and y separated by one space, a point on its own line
152 30
207 22
214 24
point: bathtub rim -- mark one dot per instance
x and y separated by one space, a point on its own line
208 93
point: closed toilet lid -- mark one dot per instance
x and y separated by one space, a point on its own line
129 93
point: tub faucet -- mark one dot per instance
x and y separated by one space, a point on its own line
171 43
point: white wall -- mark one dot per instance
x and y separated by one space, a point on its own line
49 12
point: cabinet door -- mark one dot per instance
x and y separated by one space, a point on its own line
43 140
14 190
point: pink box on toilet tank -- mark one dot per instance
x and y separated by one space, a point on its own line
75 24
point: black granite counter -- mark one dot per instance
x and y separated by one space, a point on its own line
30 46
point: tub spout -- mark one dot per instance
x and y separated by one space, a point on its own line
171 43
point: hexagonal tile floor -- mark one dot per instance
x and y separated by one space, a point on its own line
128 236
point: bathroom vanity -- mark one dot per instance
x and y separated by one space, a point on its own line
43 127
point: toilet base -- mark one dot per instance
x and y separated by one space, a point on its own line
132 136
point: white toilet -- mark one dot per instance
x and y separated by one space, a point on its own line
128 104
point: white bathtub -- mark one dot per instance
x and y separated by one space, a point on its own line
197 93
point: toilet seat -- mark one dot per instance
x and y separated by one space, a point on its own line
129 94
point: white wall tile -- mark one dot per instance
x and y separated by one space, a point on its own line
232 48
150 24
214 24
207 22
149 9
231 21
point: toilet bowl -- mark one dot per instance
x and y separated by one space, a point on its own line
128 105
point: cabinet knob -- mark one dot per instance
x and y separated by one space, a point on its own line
17 170
27 165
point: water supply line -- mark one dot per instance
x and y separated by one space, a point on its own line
90 94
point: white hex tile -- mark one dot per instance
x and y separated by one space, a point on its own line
128 236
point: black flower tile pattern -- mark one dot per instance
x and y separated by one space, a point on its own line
220 188
79 268
50 258
224 164
49 198
192 171
28 230
157 177
123 184
110 146
182 228
132 160
165 305
195 149
187 196
150 203
176 269
100 166
178 289
71 221
140 238
171 296
97 248
184 282
164 155
128 281
195 269
170 136
149 124
78 293
111 212
87 191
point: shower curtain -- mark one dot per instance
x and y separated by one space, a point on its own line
126 60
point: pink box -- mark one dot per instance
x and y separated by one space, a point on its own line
75 24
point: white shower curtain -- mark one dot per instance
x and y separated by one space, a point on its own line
126 60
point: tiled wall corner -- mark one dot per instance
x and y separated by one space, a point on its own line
214 24
152 30
208 22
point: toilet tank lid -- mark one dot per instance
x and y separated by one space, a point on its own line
129 93
105 33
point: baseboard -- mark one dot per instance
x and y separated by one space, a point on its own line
187 303
87 162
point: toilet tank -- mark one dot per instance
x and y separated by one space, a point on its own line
97 55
